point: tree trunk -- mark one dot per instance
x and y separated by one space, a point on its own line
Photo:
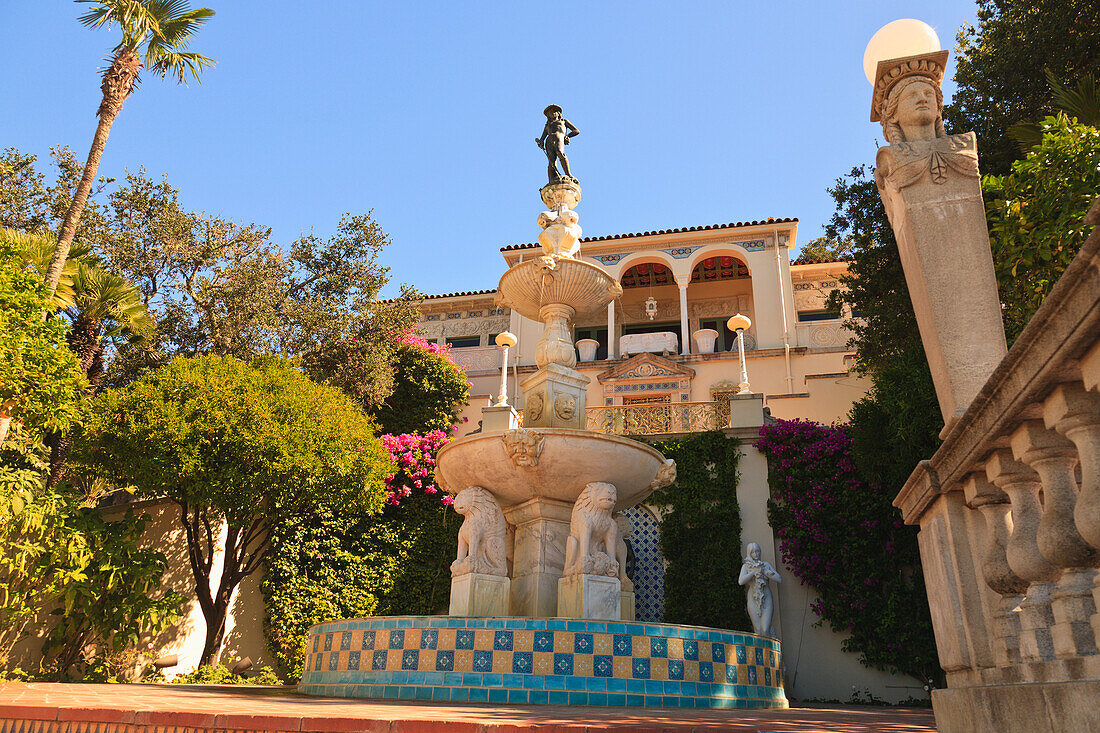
118 84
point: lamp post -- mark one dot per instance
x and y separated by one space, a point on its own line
739 323
505 339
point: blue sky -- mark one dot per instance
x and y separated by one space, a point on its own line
690 113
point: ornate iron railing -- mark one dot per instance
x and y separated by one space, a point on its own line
658 418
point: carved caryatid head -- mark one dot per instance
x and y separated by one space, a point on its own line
913 111
908 99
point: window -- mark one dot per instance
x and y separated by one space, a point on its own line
805 316
599 334
727 339
461 342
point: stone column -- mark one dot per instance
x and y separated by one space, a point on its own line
1036 617
929 184
685 337
994 507
538 557
1075 413
1053 458
612 349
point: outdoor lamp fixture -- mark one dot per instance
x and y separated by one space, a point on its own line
505 339
651 307
898 39
739 323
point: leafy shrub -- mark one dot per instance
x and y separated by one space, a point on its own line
219 675
429 390
1036 215
701 532
840 535
329 564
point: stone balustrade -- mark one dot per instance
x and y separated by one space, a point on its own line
1009 506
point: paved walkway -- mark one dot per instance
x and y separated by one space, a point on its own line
165 708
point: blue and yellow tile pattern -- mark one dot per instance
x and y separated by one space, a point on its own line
542 661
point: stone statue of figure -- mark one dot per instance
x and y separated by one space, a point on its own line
755 573
555 136
909 104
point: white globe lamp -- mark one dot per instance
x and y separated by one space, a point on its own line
895 40
505 340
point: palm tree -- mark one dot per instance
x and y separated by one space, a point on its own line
164 28
105 307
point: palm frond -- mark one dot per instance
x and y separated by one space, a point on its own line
177 64
1080 101
133 17
1026 135
101 295
164 26
37 251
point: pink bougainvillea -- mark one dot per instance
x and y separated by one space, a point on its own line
411 339
414 457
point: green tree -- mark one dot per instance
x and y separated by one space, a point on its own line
896 425
1036 215
40 383
1001 64
238 447
428 393
163 28
826 248
1080 102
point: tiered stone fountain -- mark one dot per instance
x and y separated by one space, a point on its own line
541 608
537 473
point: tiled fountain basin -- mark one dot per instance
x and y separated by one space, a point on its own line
542 661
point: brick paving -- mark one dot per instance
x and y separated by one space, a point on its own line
76 708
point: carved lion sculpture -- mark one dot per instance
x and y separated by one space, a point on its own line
481 546
593 535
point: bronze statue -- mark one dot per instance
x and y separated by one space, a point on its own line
555 136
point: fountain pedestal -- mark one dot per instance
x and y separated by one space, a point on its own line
554 398
538 557
478 594
597 597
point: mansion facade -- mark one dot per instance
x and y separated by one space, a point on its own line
694 279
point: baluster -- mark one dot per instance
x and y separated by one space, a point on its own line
1036 617
1054 458
993 505
1075 413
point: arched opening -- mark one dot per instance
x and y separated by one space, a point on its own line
650 280
720 279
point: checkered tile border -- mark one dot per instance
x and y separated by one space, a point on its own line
553 661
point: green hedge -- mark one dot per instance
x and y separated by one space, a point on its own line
328 566
701 532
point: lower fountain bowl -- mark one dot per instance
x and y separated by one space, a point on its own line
558 466
542 661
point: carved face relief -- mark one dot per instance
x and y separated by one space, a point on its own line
565 407
917 105
535 403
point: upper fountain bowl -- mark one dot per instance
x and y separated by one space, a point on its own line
554 463
530 285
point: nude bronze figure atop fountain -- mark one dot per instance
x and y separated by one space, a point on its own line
555 136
